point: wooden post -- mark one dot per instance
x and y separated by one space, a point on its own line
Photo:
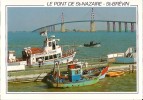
132 68
58 72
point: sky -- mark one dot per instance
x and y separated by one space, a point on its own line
31 18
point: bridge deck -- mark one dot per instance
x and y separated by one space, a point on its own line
82 21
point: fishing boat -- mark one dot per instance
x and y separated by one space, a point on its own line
91 44
74 77
46 55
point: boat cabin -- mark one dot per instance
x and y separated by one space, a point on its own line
50 50
75 72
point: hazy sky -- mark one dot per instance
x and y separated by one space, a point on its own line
31 18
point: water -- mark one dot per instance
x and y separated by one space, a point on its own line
111 42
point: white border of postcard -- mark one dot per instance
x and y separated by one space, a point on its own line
66 96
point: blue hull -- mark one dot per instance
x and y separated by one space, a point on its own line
124 60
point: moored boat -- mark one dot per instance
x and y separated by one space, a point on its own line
74 77
127 57
115 73
91 44
46 55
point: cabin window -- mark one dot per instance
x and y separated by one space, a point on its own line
56 43
55 56
50 44
50 57
58 55
46 58
37 59
76 72
53 46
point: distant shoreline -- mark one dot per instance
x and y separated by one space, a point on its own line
71 31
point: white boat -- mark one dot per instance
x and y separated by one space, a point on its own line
13 63
46 55
127 57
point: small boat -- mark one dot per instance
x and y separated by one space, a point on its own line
115 73
74 77
126 57
91 44
38 56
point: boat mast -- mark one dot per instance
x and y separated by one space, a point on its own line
54 68
58 70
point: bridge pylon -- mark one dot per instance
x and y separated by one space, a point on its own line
114 26
132 27
126 27
62 23
108 26
120 27
92 22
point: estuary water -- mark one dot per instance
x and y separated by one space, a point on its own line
111 42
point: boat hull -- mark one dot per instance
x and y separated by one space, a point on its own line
127 57
75 78
74 84
61 60
115 74
88 45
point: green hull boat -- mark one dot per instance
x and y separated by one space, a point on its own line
75 77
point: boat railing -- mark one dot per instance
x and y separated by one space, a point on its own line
130 51
116 55
97 61
68 52
38 54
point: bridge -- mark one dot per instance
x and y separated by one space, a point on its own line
51 28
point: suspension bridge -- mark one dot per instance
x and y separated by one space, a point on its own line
92 21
